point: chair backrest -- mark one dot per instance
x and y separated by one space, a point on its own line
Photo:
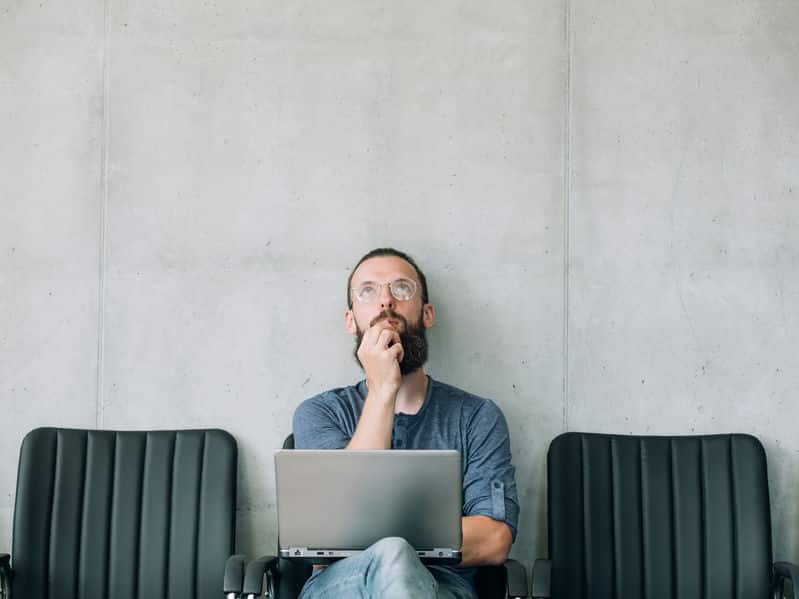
659 517
103 514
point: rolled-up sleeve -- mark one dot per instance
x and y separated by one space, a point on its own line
489 483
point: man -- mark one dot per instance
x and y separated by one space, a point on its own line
399 406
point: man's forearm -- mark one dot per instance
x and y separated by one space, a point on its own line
375 424
486 542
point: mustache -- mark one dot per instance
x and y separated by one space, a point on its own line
389 313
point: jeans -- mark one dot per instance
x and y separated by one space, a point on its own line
389 569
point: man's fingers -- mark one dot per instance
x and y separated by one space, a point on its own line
373 333
386 337
383 338
396 351
379 338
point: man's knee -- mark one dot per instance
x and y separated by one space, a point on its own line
395 570
394 550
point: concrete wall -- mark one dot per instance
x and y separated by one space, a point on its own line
603 195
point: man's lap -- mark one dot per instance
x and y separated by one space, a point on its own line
389 569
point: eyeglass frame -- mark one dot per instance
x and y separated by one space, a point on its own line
416 287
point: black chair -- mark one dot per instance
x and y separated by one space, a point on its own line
103 514
659 517
283 579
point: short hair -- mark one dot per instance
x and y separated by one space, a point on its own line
379 252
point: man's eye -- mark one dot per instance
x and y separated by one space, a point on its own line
403 287
367 290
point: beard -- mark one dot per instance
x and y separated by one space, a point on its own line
412 338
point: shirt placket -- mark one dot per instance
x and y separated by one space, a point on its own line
400 433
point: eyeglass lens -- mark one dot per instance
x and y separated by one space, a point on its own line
401 289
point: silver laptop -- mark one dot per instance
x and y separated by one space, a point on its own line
335 503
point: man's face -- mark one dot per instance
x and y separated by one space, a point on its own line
409 318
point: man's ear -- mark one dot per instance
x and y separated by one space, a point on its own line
428 315
349 322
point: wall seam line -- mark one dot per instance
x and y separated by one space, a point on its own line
103 225
566 212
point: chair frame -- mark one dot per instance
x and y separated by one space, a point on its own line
203 473
542 568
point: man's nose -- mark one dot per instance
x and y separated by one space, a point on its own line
386 299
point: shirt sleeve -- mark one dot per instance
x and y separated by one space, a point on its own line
489 483
318 425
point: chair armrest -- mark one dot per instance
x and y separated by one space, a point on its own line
517 579
234 575
783 571
254 575
5 575
542 571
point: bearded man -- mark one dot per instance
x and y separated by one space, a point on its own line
398 406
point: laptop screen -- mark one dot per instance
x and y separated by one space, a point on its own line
337 503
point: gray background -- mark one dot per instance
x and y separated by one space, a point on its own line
603 195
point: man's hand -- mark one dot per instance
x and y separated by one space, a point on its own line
380 354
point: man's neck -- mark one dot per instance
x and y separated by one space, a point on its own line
412 392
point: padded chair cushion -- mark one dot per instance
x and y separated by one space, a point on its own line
659 517
123 514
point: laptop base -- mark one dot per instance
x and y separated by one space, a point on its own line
438 555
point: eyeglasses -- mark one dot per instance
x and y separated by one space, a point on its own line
401 289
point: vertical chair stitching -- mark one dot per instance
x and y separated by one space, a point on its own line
79 552
169 515
674 481
197 519
109 532
140 506
642 505
584 506
733 517
703 519
613 520
56 456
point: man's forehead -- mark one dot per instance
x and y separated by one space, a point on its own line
383 268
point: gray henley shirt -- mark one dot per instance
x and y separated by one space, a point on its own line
448 419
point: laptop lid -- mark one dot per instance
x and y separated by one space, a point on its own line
336 503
